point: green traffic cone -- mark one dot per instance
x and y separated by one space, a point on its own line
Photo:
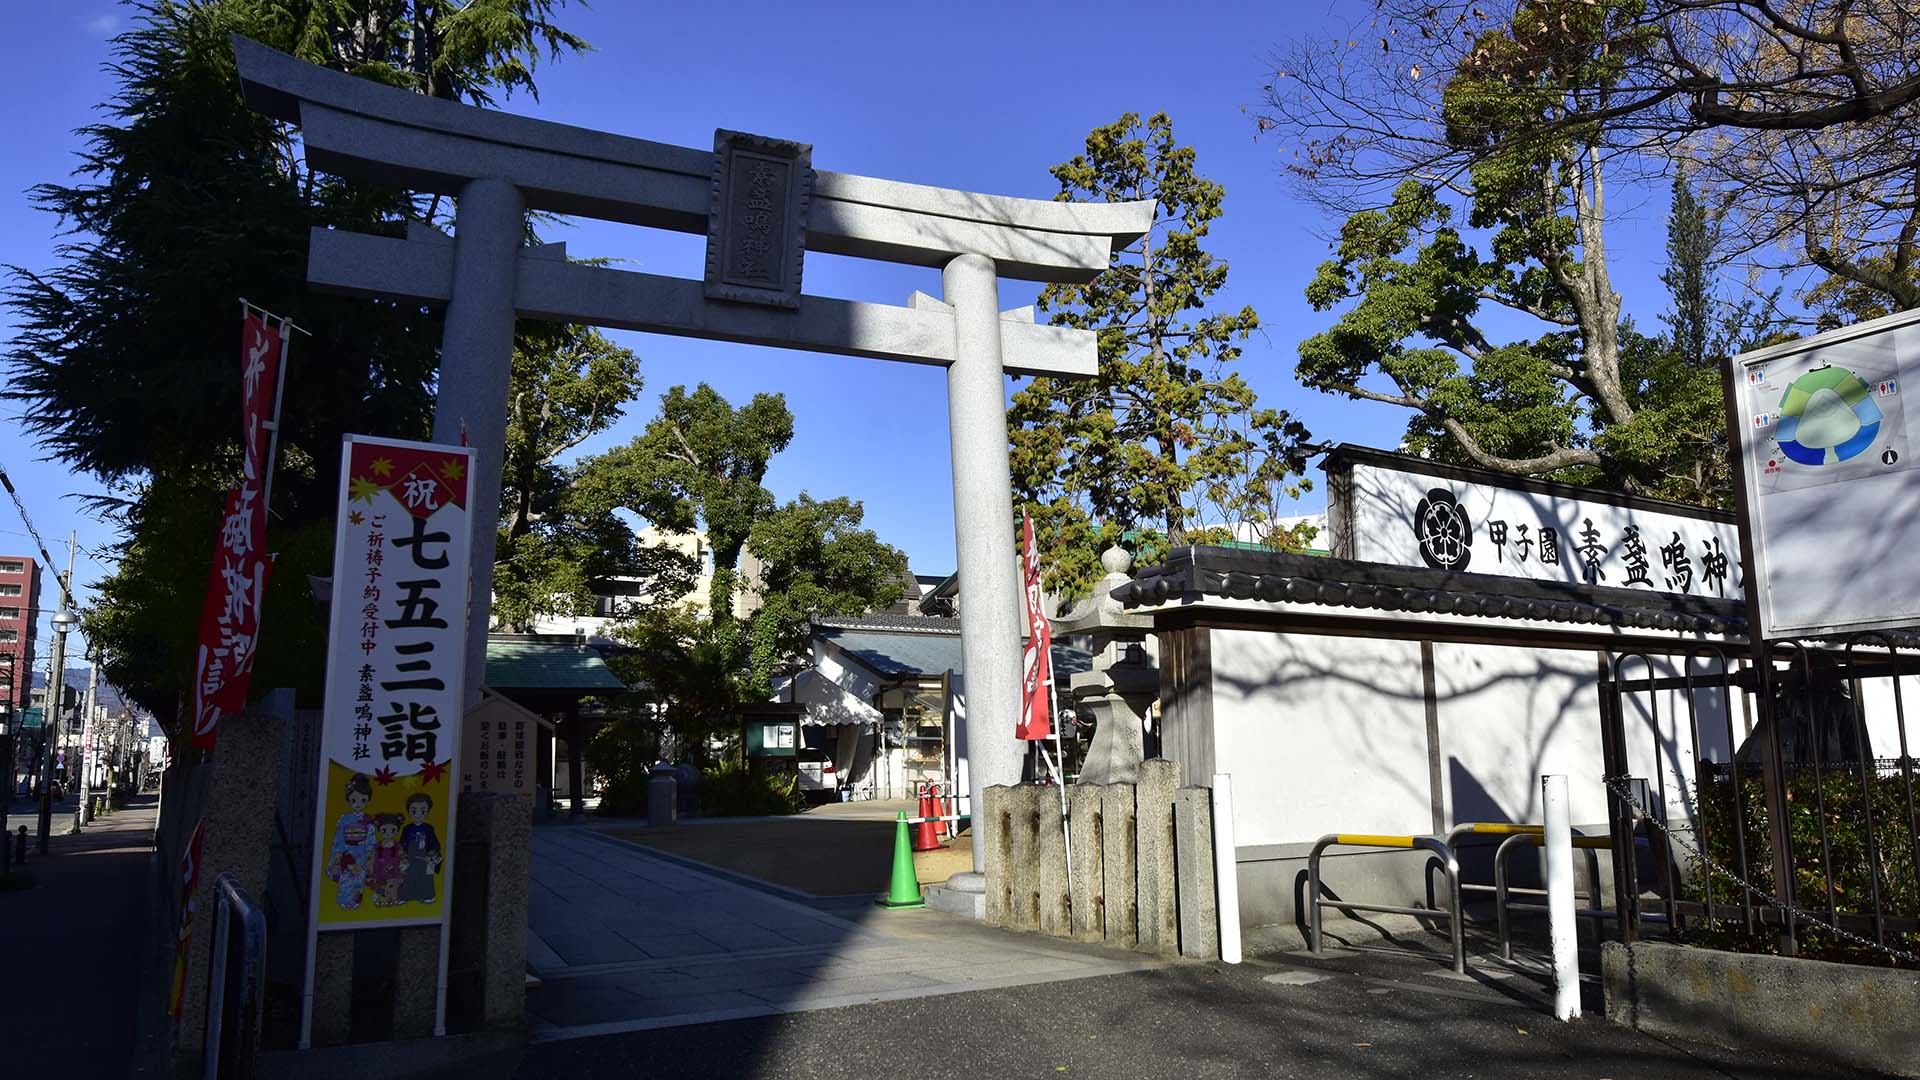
905 892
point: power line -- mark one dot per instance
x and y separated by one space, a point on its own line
66 593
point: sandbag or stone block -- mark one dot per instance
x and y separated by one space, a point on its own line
416 978
1193 862
1154 845
1086 858
509 854
995 823
1120 907
239 815
1050 843
1023 811
333 988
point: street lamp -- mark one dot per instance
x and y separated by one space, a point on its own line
64 621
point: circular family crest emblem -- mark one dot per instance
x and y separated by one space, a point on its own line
1445 534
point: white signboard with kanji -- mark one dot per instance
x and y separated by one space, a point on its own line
1829 455
391 721
1410 515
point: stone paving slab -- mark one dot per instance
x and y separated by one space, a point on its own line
625 940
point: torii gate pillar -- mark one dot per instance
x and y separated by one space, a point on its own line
476 364
982 526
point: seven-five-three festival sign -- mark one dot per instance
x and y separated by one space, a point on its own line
237 582
390 726
1036 695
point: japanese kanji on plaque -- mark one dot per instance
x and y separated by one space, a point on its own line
390 730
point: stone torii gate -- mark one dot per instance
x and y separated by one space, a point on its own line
761 207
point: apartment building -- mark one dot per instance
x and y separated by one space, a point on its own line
19 603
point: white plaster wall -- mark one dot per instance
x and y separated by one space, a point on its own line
1507 716
1329 734
829 661
1883 713
1321 735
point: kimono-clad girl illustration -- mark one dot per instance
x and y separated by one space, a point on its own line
352 843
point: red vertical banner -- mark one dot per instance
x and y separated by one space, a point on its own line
188 880
1036 713
237 581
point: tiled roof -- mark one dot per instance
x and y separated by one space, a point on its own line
905 645
918 624
1279 577
547 665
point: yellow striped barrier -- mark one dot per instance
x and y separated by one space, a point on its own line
1433 844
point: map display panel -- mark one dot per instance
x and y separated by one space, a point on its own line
1827 446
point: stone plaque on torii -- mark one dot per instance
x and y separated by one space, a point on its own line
761 206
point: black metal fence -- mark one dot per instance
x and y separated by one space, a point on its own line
1781 796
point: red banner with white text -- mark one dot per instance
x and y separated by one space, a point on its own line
1036 713
237 581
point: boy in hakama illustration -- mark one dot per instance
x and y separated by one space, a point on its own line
420 846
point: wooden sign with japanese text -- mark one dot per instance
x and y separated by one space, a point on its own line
500 749
390 725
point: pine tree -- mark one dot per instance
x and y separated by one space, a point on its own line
1165 446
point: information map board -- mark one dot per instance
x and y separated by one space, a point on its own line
1829 453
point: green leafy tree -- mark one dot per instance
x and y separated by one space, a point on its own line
1159 444
815 559
1422 302
700 463
185 200
561 537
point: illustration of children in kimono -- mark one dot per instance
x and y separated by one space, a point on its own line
385 867
352 843
421 847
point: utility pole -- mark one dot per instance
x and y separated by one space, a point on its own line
87 734
63 621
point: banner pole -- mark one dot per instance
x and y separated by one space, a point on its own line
1059 772
273 426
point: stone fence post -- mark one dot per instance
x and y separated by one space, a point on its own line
239 815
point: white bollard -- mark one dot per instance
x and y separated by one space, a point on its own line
1560 918
1226 867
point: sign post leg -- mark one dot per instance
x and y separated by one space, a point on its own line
983 530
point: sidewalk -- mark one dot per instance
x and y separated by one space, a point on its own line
71 955
627 940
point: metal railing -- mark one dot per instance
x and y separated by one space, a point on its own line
1503 888
1796 825
237 978
1432 844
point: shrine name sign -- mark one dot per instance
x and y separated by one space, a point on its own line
1405 511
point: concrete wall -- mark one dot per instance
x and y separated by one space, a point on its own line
1856 1016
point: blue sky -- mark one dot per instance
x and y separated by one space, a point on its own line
981 96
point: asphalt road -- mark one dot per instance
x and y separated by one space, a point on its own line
1352 1016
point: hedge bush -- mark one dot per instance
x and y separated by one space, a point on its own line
1851 873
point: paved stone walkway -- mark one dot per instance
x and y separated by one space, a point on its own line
625 939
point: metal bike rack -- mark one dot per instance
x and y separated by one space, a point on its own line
1502 891
237 979
1421 843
